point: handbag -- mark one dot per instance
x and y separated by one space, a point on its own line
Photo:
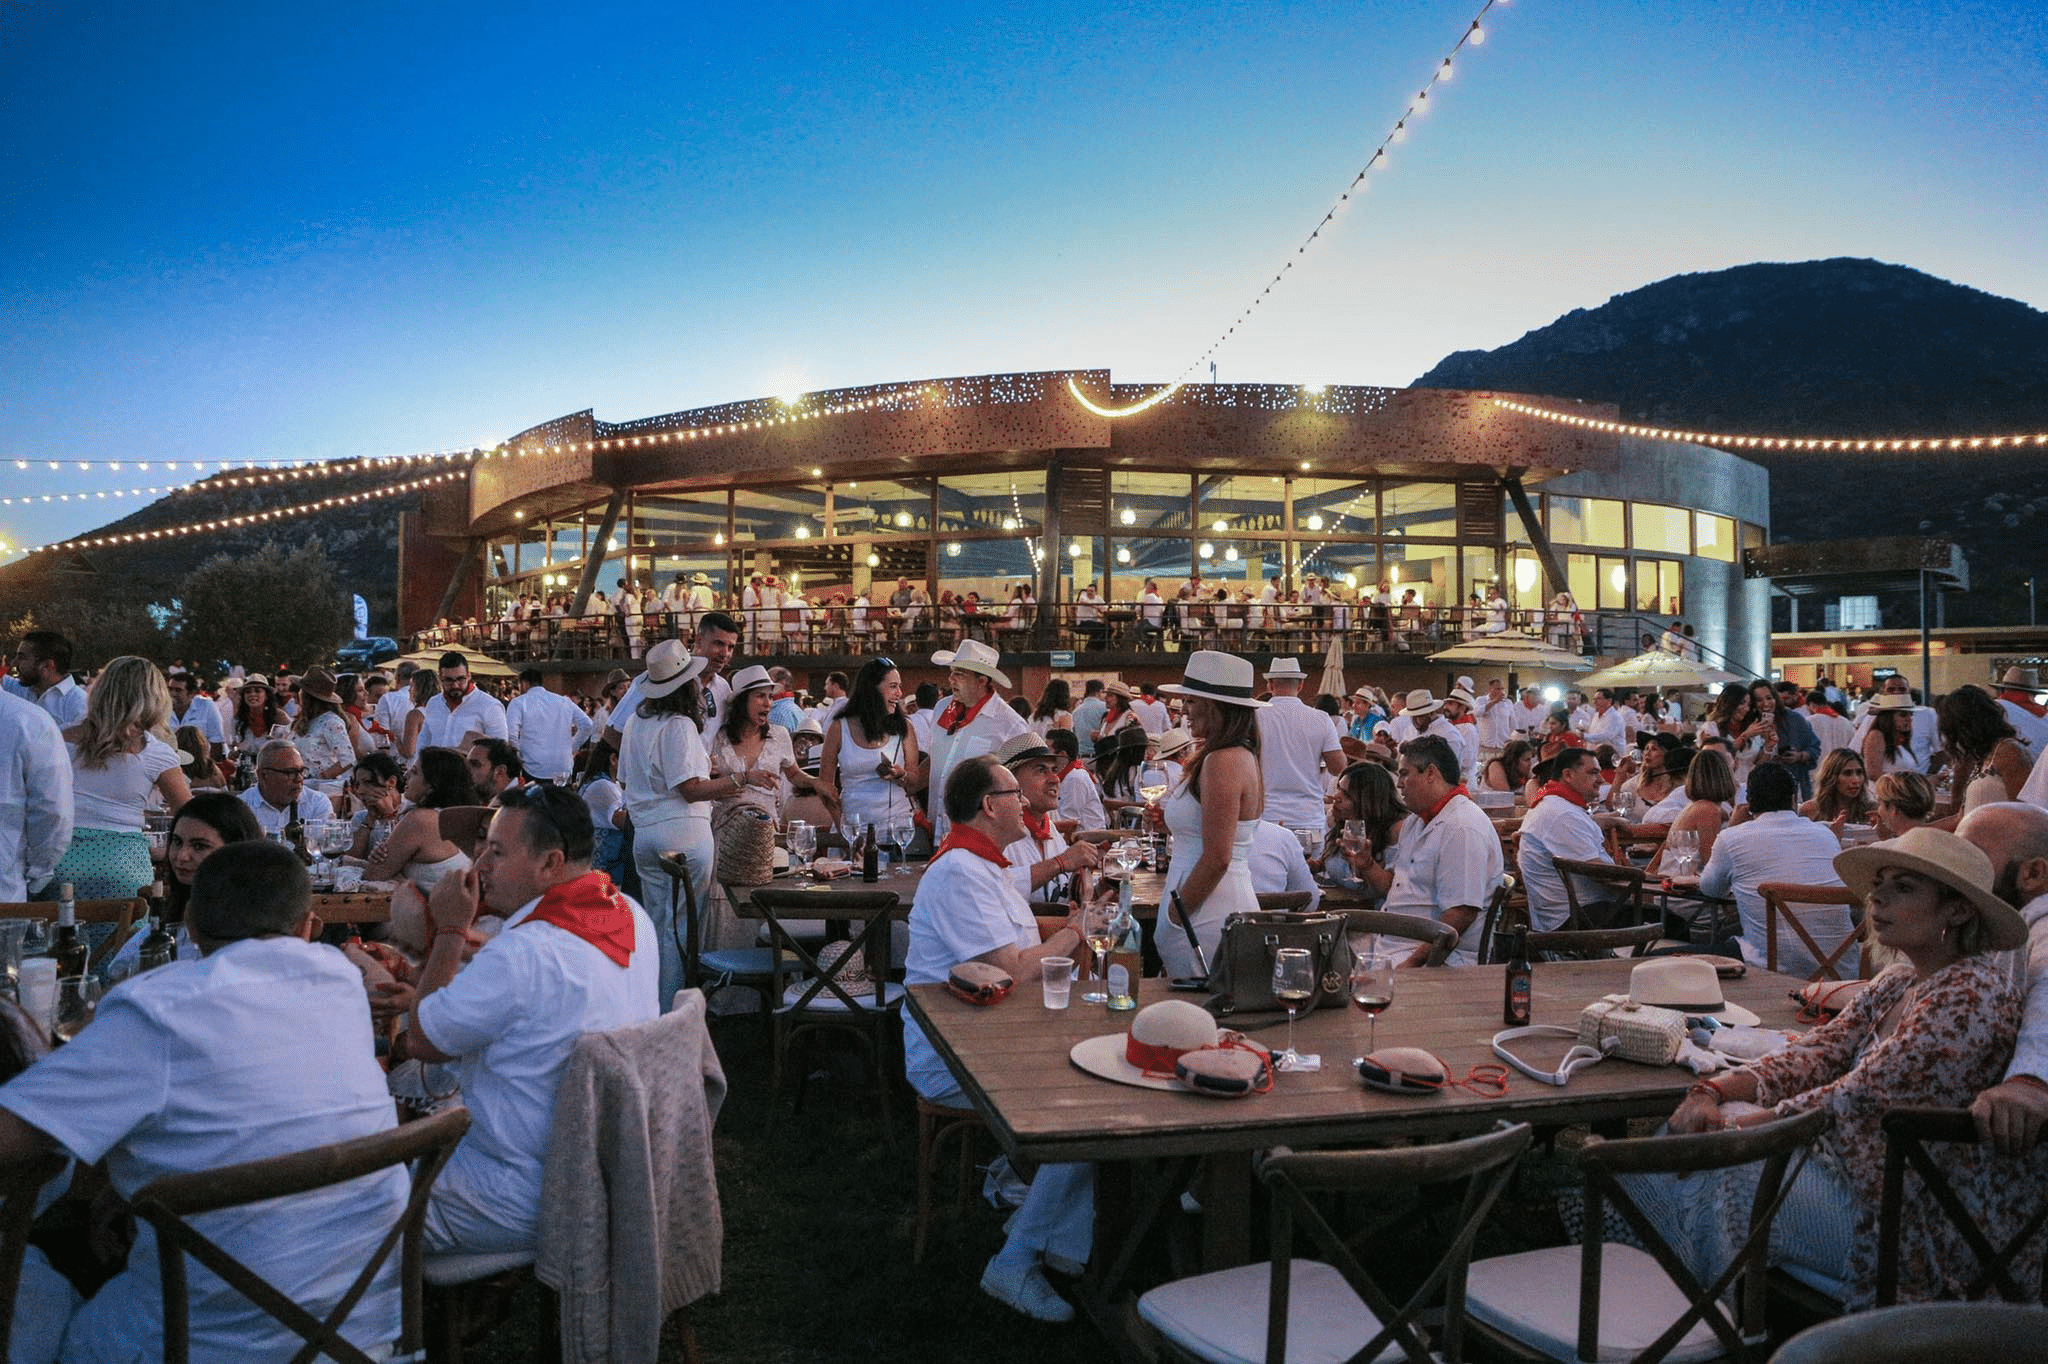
1642 1033
745 838
1241 980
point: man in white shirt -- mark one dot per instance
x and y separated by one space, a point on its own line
694 604
975 720
460 714
35 797
1448 863
42 674
1151 612
280 795
396 704
1827 723
260 1048
968 908
2019 690
547 729
1297 745
1464 730
1558 825
1153 716
188 707
1778 845
575 956
1606 725
1277 864
718 635
1529 713
1080 795
1582 714
495 767
1088 615
1041 860
2014 836
1495 713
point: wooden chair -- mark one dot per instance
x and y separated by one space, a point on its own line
1441 937
167 1202
1625 881
752 966
122 914
465 826
1607 1301
938 1124
823 1005
1283 901
1783 900
19 1187
1502 915
1589 944
1952 1332
1906 1132
352 907
1250 1311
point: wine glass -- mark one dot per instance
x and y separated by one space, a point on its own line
1355 842
1127 854
1098 928
1372 990
78 997
803 841
903 832
1294 980
1152 783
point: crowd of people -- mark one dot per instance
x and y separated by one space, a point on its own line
1409 802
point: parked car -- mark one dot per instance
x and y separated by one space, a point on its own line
359 654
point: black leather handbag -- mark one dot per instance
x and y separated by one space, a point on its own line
1242 979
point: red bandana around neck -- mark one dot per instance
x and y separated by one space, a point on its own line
970 839
1038 826
592 909
1558 788
2025 701
957 717
1433 811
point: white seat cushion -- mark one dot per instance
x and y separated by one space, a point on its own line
1534 1297
1222 1316
827 1002
442 1270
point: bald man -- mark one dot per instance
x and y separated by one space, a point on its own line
2014 836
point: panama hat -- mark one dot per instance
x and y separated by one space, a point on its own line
1885 700
1421 702
750 677
808 728
257 680
1171 743
973 657
1219 677
1955 862
669 665
1160 1034
1023 748
2021 679
1460 693
700 580
1690 985
1285 668
1122 689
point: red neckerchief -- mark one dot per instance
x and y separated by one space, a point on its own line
589 907
954 718
1468 718
1824 710
1076 766
1038 826
1433 811
1558 788
2024 701
970 839
783 695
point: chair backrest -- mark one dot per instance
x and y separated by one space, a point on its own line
1483 1164
19 1185
1441 937
165 1203
1952 1332
1782 900
872 910
464 825
1626 883
1585 944
1906 1130
122 914
1498 918
1283 901
689 923
1775 1144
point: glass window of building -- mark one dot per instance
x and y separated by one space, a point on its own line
989 567
1481 571
1162 559
1334 507
1425 509
565 539
1003 503
882 506
1141 502
1660 587
1595 521
785 512
679 518
1613 584
1525 580
1350 566
1662 530
1249 564
1240 506
1432 570
1714 537
1582 574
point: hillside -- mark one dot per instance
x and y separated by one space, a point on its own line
1834 347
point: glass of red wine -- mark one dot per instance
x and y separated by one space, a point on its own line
1372 990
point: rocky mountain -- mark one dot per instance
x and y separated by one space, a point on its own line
1833 347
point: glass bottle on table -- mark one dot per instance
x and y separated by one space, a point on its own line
67 944
159 947
870 855
1518 990
1126 954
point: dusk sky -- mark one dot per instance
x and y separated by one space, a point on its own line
258 232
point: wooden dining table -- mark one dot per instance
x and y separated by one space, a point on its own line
1012 1062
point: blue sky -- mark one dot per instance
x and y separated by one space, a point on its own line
264 231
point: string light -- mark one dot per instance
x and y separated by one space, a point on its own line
1871 444
1374 165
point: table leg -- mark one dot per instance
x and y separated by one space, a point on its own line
1226 1194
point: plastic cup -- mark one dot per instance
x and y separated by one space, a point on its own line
1056 976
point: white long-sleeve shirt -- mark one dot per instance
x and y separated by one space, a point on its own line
35 797
547 728
2030 1052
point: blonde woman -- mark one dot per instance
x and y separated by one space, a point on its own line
120 752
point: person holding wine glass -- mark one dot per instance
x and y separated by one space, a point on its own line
1365 820
870 748
1213 813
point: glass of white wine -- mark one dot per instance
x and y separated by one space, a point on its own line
1098 927
1152 783
1294 980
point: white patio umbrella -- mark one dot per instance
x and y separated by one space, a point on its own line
1661 669
1333 683
1513 649
480 664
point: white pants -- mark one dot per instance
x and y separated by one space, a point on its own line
690 837
1058 1215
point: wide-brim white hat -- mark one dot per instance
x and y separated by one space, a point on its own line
1891 701
1172 1026
1421 702
1217 676
1955 862
1286 669
751 677
974 657
669 666
1690 985
1168 743
1460 694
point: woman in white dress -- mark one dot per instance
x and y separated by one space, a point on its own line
326 733
413 847
669 790
1214 812
869 750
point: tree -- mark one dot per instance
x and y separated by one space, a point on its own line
98 629
278 605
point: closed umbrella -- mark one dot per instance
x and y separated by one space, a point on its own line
1333 683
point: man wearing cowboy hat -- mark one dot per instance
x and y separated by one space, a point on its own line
968 908
973 721
547 728
2014 835
1041 860
1449 862
459 714
2019 692
1421 713
1464 730
1297 745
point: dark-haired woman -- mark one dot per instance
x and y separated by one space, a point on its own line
1054 709
1512 769
414 849
206 822
666 773
1982 747
1365 791
869 750
1213 813
259 715
378 786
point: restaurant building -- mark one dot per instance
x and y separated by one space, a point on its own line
1055 480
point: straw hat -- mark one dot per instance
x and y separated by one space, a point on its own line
751 677
700 580
1023 748
973 657
810 728
1217 676
2021 679
1171 743
1885 700
1286 669
1955 862
669 666
319 684
617 675
853 977
1690 985
1122 689
1460 693
1160 1034
257 680
1421 702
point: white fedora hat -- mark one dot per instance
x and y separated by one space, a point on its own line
1955 862
750 677
1218 676
1171 743
2022 679
974 657
1285 668
1459 693
1691 985
669 665
1421 702
1160 1034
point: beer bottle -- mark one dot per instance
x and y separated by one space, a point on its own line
870 856
1515 994
68 944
